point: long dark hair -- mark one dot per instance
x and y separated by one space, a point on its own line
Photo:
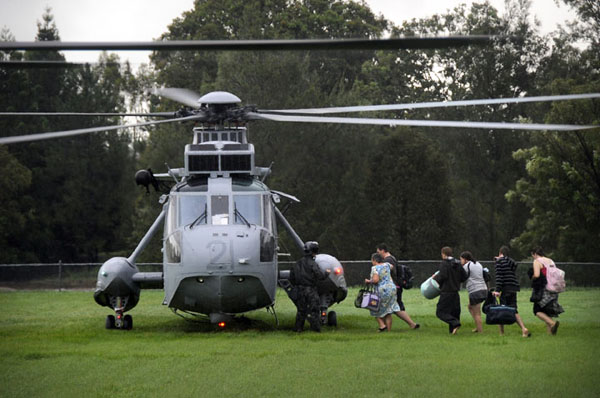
539 251
467 256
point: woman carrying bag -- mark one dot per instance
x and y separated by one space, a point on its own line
545 304
386 289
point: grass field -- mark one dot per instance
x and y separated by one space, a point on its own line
53 344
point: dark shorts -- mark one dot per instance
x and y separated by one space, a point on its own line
399 295
477 297
509 299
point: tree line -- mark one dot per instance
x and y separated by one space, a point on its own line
417 189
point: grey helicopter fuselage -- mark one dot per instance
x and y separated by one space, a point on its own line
220 246
220 242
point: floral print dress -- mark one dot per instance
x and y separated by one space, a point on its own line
386 288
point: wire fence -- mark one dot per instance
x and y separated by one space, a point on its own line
83 275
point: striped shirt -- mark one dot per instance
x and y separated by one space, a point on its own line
506 275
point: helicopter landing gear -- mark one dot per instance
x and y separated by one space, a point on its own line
328 318
332 319
119 321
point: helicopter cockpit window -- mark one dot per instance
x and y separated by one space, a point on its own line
219 209
247 209
192 209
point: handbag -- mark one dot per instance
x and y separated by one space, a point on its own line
370 299
498 314
359 298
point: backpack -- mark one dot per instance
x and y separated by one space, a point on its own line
407 276
555 277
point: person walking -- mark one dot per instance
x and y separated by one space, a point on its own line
304 276
385 287
449 277
507 286
476 287
382 249
547 306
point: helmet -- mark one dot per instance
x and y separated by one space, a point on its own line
311 247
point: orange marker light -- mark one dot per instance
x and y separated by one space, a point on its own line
338 270
221 324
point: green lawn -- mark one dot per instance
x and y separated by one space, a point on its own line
54 344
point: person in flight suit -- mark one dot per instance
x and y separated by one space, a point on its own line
304 275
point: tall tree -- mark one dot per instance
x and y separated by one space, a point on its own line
77 205
481 165
562 185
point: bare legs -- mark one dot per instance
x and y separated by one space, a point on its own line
524 330
385 323
406 318
475 311
551 325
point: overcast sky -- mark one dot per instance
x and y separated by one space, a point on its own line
144 20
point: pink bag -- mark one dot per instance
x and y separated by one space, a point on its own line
555 277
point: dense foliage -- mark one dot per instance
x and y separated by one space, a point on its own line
415 188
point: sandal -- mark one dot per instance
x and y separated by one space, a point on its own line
554 328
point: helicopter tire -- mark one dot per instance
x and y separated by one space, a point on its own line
127 322
110 322
332 318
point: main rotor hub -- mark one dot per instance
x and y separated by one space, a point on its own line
219 98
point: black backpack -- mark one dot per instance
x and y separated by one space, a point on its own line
406 276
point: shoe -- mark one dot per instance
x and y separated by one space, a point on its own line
528 334
455 330
383 329
554 328
416 326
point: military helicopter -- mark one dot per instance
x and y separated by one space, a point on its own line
220 238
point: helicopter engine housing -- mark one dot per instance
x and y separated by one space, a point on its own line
115 284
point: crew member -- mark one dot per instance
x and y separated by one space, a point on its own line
304 275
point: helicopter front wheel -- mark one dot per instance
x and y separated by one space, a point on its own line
127 322
332 318
110 322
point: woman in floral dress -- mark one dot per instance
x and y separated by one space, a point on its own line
386 289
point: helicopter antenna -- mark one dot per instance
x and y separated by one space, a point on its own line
171 173
267 173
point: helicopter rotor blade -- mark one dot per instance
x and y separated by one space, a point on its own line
147 114
181 95
420 105
421 123
415 42
68 133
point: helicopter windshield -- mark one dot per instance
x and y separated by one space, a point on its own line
247 208
191 209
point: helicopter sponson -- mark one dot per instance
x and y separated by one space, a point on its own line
116 289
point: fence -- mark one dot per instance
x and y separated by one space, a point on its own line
83 275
